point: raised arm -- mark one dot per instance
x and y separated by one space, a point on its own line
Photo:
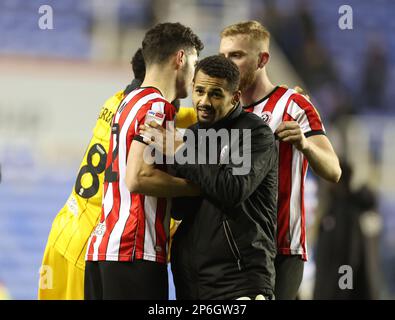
316 148
322 158
303 128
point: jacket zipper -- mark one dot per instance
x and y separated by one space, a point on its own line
232 244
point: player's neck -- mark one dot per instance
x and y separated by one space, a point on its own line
259 89
162 80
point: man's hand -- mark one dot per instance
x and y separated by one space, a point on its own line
290 131
167 141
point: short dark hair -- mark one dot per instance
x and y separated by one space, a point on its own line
164 39
218 66
138 65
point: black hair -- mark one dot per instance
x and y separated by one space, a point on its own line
138 65
164 39
218 66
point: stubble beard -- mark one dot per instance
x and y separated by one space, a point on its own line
247 79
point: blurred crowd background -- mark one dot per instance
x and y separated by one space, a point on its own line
54 81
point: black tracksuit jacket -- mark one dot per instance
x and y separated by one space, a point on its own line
225 245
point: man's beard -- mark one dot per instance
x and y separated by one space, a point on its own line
204 123
247 79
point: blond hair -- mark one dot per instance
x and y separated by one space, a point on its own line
253 29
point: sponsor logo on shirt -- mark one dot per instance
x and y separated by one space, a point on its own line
100 229
73 205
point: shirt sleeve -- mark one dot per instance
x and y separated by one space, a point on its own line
162 108
303 111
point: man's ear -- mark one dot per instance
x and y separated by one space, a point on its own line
263 59
180 58
236 97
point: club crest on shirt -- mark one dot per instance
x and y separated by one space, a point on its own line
266 116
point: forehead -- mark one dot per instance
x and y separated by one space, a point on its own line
209 83
238 42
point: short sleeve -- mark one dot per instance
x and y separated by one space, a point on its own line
307 116
158 110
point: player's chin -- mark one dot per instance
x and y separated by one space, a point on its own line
204 122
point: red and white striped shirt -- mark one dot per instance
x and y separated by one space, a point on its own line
132 226
287 105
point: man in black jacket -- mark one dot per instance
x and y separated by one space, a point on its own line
225 245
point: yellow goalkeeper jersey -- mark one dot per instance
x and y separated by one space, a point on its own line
75 221
185 117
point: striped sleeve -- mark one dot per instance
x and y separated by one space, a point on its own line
158 105
170 112
303 111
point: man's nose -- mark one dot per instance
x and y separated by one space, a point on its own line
205 101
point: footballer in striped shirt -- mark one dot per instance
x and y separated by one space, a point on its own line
126 256
301 141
